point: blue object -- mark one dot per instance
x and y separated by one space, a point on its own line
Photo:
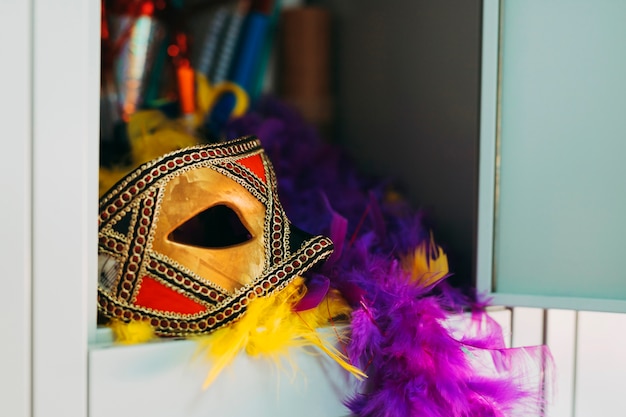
246 65
219 116
244 72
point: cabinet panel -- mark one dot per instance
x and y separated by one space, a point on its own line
15 181
65 51
165 379
558 176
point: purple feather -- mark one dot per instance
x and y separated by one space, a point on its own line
338 231
317 288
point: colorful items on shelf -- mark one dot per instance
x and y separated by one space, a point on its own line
147 63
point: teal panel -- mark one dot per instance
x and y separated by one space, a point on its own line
561 190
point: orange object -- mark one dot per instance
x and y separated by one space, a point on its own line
186 89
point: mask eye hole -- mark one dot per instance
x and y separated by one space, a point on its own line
216 227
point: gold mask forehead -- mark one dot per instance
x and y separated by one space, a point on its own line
189 194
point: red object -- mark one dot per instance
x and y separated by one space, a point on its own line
157 296
255 164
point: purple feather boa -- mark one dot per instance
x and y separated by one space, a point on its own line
423 355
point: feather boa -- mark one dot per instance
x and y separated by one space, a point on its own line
392 273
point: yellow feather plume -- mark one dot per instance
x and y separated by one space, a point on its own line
270 328
427 264
131 333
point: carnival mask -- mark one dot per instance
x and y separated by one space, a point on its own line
187 240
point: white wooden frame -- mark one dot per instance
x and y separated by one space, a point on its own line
65 131
15 179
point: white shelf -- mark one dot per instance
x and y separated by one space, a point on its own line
165 379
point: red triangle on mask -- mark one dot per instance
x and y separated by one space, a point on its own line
255 164
160 297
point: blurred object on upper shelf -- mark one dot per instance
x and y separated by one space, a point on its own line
131 36
304 69
199 63
242 57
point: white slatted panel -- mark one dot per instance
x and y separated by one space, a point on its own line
503 316
589 351
561 338
527 326
601 365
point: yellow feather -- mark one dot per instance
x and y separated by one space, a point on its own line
131 333
270 329
427 264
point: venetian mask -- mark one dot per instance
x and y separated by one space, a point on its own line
188 240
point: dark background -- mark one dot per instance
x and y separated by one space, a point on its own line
406 93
